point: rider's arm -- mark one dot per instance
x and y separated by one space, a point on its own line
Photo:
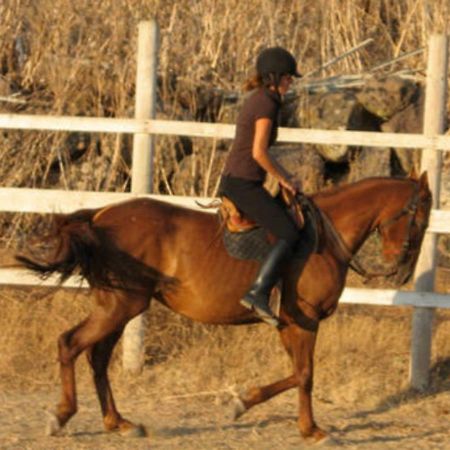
260 153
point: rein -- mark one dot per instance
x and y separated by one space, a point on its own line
344 252
346 255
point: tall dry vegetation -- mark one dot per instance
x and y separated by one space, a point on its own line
78 58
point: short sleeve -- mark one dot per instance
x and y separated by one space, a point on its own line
266 108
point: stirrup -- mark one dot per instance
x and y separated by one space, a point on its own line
265 314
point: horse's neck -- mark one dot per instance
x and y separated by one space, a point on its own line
355 210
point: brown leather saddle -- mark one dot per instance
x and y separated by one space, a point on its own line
236 222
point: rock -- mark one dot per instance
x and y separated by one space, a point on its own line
370 162
337 111
408 120
301 161
194 175
385 97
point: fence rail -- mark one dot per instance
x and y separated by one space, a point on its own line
358 296
25 200
220 131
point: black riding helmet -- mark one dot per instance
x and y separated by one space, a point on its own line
278 61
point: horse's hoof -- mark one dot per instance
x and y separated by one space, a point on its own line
326 440
136 431
238 408
318 437
53 428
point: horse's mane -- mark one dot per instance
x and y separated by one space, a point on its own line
343 188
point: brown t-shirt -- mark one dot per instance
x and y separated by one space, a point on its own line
261 103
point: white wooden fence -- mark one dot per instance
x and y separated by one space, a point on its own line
423 299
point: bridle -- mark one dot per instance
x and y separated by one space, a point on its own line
410 210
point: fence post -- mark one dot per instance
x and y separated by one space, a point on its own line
434 123
142 164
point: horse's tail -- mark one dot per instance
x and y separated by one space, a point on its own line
79 247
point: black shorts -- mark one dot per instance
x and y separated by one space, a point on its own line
254 201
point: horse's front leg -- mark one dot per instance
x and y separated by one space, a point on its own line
257 395
301 344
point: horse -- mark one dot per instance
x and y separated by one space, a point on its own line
143 249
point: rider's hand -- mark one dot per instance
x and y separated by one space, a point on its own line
292 184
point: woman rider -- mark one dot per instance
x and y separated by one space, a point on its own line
248 163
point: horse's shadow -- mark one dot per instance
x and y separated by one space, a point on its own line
382 437
188 431
439 382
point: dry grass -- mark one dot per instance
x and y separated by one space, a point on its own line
361 351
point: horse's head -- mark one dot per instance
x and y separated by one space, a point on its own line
402 233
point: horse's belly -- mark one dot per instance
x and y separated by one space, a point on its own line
207 300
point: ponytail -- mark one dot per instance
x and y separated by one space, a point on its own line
257 81
254 82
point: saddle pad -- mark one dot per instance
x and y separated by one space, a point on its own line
250 244
253 244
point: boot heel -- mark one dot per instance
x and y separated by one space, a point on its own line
262 311
247 304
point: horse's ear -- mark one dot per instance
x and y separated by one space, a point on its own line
423 180
413 174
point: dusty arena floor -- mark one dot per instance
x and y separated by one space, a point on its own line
361 395
421 422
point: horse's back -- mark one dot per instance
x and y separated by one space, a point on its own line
140 224
149 214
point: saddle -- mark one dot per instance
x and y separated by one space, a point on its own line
236 222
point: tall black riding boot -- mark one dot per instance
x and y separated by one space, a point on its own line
257 298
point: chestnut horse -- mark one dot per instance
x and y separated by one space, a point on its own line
140 249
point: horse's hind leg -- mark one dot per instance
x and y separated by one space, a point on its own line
110 316
68 404
99 356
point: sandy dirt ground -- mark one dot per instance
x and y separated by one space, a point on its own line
420 423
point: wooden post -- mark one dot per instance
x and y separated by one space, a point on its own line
142 169
434 123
